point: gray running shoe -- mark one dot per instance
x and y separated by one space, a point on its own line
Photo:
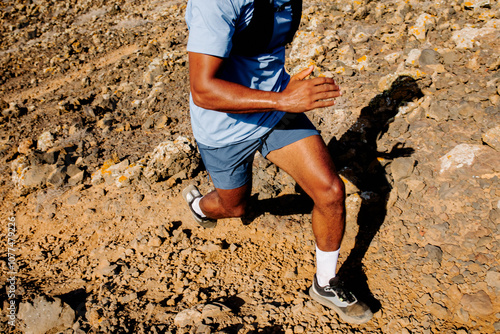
335 296
190 193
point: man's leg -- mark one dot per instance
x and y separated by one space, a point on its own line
226 203
309 163
230 169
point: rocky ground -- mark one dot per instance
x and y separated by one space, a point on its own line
96 147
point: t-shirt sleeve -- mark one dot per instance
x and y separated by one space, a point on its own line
211 26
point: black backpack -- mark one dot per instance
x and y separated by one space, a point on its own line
255 38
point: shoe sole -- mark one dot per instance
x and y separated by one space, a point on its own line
189 190
337 309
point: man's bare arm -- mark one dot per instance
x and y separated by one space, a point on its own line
212 93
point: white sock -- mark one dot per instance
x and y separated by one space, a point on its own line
196 207
326 266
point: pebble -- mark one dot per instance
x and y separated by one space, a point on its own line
45 141
186 317
478 303
492 137
402 168
428 57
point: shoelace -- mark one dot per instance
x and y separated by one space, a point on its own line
343 294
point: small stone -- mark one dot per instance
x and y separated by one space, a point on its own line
493 279
154 242
36 176
57 177
105 268
495 99
25 146
360 37
346 53
203 329
470 4
492 137
128 298
434 253
459 279
423 23
155 69
73 170
428 57
298 329
187 317
393 57
478 303
439 311
450 57
73 199
438 110
138 199
76 179
45 141
463 315
413 57
402 168
467 37
209 247
212 310
478 159
170 158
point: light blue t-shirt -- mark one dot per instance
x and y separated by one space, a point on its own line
212 24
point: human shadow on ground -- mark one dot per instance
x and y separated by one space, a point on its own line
356 157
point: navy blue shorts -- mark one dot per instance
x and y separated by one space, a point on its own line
230 167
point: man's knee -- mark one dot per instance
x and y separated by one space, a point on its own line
330 193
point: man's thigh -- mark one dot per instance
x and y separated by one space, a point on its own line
230 167
309 162
291 128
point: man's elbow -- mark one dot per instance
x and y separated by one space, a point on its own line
197 98
201 98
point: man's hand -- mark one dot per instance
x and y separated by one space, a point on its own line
302 95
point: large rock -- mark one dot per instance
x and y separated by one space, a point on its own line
26 176
467 37
177 157
43 316
478 160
